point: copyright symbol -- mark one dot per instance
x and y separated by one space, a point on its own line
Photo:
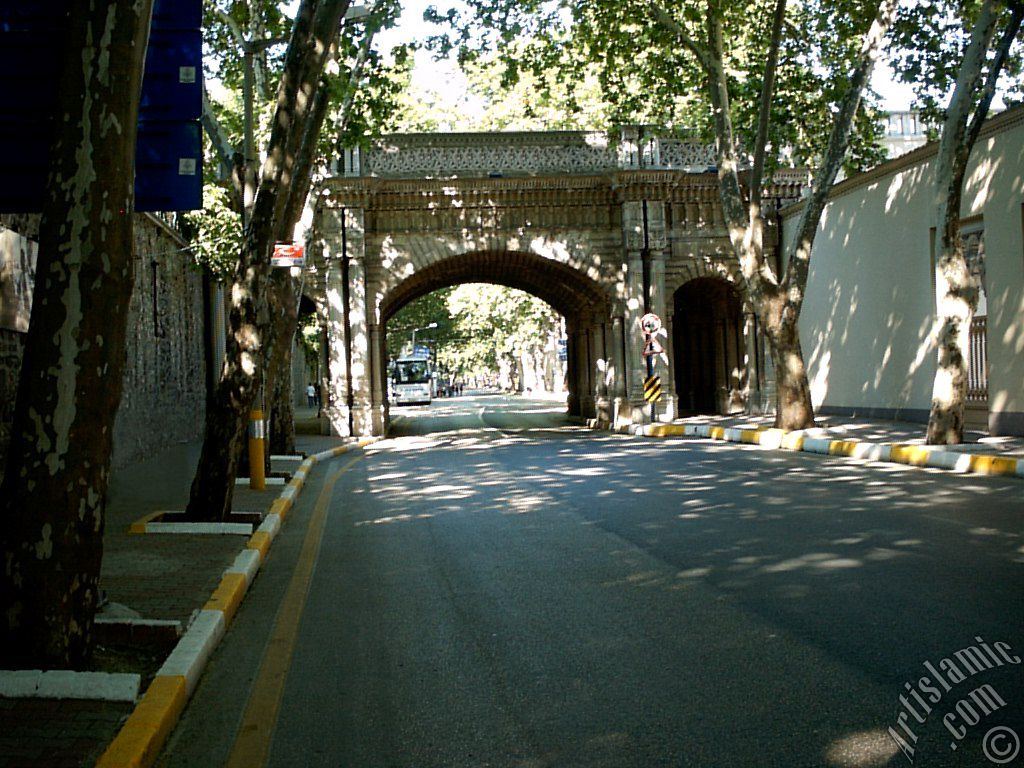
1001 745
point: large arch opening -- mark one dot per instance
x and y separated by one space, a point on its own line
573 295
709 347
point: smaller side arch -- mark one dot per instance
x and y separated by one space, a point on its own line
710 348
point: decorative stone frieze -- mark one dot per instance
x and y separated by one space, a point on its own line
476 155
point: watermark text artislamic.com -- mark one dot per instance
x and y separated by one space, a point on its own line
922 698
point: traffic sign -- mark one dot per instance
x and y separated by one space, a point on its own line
652 346
652 389
288 255
650 323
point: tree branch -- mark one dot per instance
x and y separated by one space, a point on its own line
221 144
764 112
356 73
796 270
668 21
232 26
1002 52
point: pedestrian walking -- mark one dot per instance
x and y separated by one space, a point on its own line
311 395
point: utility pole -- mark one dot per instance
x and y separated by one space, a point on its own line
645 256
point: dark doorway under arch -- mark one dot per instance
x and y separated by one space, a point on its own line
710 358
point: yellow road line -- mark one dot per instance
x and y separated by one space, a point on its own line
252 743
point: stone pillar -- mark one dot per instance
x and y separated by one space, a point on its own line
666 408
351 409
636 367
585 368
657 243
668 379
602 373
323 374
370 418
361 319
617 358
335 412
572 375
754 374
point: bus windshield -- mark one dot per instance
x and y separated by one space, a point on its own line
412 372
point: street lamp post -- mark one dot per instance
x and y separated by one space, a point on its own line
424 328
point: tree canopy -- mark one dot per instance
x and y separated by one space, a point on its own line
478 325
929 38
569 51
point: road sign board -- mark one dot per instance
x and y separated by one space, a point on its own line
168 166
652 346
650 323
288 255
652 389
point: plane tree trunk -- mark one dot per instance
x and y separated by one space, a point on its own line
284 294
958 287
776 299
54 493
250 321
279 379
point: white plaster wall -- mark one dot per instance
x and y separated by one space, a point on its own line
995 189
867 322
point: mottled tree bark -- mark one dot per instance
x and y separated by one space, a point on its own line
284 300
285 311
55 486
250 339
957 288
793 394
282 416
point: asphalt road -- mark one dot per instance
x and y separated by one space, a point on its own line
497 587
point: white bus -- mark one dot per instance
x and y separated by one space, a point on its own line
411 381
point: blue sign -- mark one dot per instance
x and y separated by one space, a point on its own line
177 14
169 146
172 88
168 169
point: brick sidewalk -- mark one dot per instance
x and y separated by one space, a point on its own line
158 576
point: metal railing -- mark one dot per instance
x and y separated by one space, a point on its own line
977 362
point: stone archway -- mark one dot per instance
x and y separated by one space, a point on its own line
596 228
568 291
710 347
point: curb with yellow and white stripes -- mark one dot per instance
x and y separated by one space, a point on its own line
144 733
897 453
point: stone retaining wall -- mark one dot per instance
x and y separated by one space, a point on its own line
164 394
